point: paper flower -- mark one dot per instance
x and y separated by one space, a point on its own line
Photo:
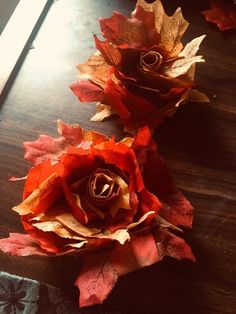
142 71
112 202
222 13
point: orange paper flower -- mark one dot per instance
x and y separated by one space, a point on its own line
142 71
87 192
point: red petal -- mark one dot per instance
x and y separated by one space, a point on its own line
143 144
123 218
73 133
110 53
48 241
157 177
149 202
79 166
137 104
77 211
177 209
147 19
124 158
113 97
140 251
96 280
136 32
222 13
46 197
86 91
169 244
20 245
101 269
39 173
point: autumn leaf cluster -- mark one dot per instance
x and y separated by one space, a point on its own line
141 72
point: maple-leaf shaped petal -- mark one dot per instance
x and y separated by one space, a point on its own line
186 58
222 13
122 30
50 148
101 270
21 245
170 28
171 245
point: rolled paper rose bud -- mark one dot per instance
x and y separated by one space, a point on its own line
141 72
86 192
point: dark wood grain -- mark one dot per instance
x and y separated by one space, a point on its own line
199 144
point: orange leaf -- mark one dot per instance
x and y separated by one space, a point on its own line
222 13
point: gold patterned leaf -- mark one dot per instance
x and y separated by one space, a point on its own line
170 28
95 69
71 223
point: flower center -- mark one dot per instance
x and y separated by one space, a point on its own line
102 186
150 60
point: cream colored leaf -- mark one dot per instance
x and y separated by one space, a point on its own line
196 96
192 47
103 112
71 223
77 245
142 219
180 66
56 227
34 198
120 235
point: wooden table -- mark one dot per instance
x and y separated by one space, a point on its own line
198 143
